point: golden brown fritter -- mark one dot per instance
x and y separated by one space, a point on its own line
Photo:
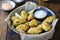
27 23
50 19
35 30
23 27
46 26
17 22
33 23
24 14
30 17
23 21
40 25
14 18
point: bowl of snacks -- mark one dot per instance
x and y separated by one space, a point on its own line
25 21
7 5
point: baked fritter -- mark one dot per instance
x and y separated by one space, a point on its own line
30 17
33 23
35 30
24 14
50 19
46 26
23 27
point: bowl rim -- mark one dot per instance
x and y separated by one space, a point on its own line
29 34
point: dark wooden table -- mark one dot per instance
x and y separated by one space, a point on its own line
4 29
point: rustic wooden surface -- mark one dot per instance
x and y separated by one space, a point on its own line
3 24
55 7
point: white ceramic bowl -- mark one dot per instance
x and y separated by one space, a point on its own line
11 2
42 36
